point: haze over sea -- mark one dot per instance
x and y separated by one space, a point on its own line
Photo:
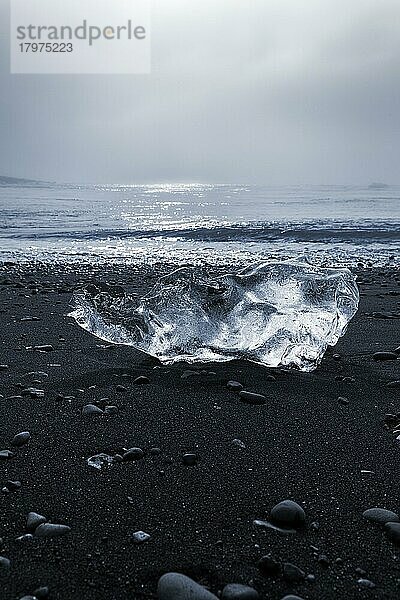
198 223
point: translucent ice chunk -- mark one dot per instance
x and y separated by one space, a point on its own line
274 313
100 460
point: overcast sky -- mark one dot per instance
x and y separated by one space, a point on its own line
255 91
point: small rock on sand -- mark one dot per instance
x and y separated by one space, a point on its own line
91 409
393 532
133 454
21 439
292 573
5 564
380 516
237 591
174 586
190 459
6 454
33 521
44 348
366 584
234 386
49 530
288 514
252 398
268 566
342 400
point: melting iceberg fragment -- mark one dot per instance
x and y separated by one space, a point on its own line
274 313
100 460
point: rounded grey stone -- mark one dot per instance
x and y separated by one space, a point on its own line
5 564
174 586
237 591
91 409
393 532
292 573
252 398
133 454
21 439
6 454
288 514
49 530
33 521
380 516
234 386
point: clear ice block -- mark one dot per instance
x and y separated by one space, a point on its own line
273 313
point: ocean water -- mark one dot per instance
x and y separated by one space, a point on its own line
198 223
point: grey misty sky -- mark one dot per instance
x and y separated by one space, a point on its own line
255 91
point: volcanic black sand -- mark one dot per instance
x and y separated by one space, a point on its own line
335 459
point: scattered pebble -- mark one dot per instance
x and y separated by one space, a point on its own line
33 521
324 561
190 459
268 566
174 586
343 400
44 348
237 591
13 486
380 516
140 536
133 454
21 439
26 537
366 583
33 392
252 398
393 532
91 409
5 564
49 530
292 573
288 514
234 386
6 454
111 410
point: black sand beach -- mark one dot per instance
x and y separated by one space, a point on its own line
335 459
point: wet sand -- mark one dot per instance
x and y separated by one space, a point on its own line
335 459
